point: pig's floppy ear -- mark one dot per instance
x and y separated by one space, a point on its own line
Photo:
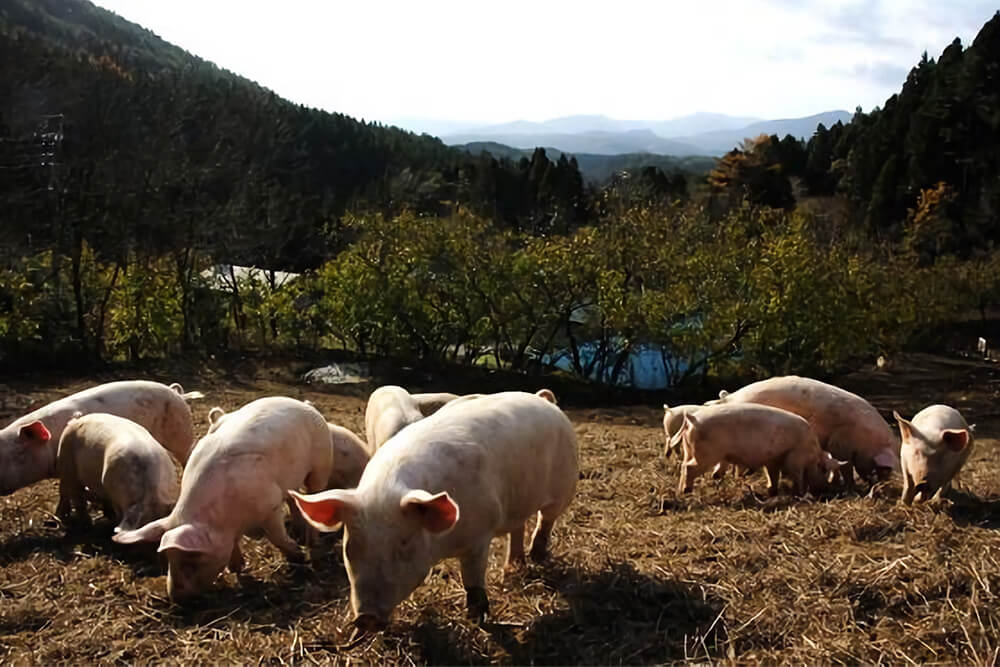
955 438
325 510
151 532
188 538
35 433
905 427
437 513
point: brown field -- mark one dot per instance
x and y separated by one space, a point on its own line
637 575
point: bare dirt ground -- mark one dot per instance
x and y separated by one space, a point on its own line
637 574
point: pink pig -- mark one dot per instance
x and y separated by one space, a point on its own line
444 488
936 444
28 445
847 425
120 464
391 408
753 436
235 483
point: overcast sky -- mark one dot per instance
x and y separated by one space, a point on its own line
539 59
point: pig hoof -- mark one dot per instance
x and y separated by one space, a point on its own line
477 604
367 624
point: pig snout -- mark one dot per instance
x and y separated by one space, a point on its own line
180 591
371 622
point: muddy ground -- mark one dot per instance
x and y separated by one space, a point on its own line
638 575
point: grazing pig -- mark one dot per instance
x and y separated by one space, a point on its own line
235 482
444 488
753 436
847 425
935 446
391 408
349 458
28 445
120 464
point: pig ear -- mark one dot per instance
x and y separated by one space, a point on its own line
955 438
548 395
905 427
35 433
151 532
188 538
437 513
326 510
215 414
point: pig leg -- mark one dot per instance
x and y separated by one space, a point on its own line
274 530
515 549
690 470
65 507
77 497
909 488
474 564
540 538
773 473
236 556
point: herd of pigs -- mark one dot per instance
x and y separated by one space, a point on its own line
438 475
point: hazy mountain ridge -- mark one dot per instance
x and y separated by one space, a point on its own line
697 134
597 142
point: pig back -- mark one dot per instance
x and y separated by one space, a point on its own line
750 434
271 443
844 423
389 409
502 457
154 406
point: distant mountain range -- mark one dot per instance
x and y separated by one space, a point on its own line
597 169
696 134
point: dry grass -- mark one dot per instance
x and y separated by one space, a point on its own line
638 575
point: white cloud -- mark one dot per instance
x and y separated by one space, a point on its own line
539 59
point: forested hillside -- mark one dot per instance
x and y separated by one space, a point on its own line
162 130
939 136
131 167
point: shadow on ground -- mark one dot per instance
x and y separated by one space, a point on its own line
614 615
